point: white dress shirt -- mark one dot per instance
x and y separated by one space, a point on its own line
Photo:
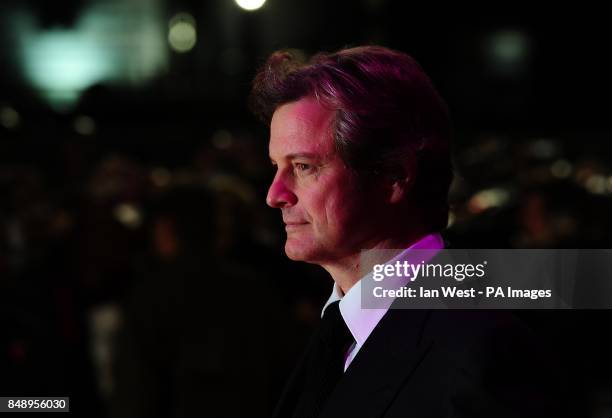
361 322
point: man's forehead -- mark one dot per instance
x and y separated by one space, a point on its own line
307 109
303 126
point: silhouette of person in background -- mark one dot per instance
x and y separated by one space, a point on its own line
191 342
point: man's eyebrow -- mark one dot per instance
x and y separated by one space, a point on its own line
307 155
296 155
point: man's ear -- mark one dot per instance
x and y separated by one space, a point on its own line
401 181
399 189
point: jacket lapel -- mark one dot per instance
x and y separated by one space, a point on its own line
386 360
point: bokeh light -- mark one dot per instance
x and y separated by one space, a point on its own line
596 184
84 125
250 4
128 214
182 34
489 198
9 118
110 42
508 51
161 177
561 169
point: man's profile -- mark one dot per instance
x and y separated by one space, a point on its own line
361 140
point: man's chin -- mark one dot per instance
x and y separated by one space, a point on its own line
294 255
300 253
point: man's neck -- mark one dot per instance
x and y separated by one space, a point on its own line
346 271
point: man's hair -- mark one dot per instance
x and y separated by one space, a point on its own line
386 109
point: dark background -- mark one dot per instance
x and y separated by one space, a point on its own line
140 271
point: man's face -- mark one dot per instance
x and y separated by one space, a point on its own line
327 212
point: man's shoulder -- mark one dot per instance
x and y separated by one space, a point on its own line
482 363
490 339
475 324
445 324
487 339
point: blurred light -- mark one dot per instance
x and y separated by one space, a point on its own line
222 139
104 322
509 45
451 219
161 177
84 125
182 33
561 169
9 118
596 184
488 198
63 64
128 215
543 148
610 184
508 50
250 4
111 41
488 148
584 171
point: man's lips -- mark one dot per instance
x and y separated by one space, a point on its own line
294 225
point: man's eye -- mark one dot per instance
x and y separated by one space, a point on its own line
301 167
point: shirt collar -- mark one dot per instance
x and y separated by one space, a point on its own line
361 322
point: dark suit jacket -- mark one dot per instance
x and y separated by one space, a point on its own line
445 363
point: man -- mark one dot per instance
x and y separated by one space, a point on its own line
361 144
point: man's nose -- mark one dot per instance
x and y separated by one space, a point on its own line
280 195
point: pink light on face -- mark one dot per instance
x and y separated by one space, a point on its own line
325 209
